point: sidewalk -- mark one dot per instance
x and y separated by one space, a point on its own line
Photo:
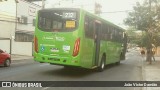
151 72
20 57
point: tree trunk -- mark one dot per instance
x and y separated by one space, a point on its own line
149 48
149 56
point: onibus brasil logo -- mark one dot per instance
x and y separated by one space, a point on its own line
20 84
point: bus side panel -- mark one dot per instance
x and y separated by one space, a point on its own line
87 45
108 49
115 50
112 51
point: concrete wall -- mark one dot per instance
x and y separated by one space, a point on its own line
22 48
158 51
5 45
6 29
28 10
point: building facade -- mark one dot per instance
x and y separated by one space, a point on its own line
17 23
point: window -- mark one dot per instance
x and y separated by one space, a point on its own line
22 36
120 35
57 25
58 20
24 20
105 32
89 27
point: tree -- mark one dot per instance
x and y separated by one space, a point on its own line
134 36
146 17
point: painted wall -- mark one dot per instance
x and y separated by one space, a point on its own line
28 10
5 45
6 28
22 48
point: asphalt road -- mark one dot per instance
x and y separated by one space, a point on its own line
28 70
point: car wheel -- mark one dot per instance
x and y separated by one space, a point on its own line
7 63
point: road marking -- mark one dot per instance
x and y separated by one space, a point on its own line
44 64
20 62
46 88
25 62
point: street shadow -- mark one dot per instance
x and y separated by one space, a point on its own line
69 72
3 67
75 72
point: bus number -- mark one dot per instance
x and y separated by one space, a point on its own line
69 15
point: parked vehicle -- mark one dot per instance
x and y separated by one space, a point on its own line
5 58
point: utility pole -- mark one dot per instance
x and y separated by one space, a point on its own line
97 8
43 4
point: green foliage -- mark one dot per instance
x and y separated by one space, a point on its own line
146 17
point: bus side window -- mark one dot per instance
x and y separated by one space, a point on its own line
111 33
102 32
105 35
88 26
116 35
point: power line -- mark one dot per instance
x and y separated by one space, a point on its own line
117 11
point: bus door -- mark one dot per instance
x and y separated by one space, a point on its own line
97 29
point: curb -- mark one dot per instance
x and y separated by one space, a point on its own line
21 59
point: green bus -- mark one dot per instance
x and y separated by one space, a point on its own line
75 37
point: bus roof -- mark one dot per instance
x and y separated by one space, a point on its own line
80 9
102 19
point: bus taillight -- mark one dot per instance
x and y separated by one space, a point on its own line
36 44
76 47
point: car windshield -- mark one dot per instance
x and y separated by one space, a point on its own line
1 51
57 21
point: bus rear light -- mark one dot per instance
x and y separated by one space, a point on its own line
76 47
35 44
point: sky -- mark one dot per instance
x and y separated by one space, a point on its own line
110 7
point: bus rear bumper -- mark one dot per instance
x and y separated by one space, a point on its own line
56 60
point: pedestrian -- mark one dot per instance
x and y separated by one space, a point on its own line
153 52
142 52
149 55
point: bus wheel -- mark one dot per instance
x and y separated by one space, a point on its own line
117 63
102 65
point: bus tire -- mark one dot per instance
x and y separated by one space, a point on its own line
117 63
102 65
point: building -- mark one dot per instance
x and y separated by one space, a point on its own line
17 23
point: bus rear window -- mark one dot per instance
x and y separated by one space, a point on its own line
57 21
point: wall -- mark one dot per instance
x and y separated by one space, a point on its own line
5 45
22 48
29 10
7 23
6 28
